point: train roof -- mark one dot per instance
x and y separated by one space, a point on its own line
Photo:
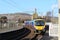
39 19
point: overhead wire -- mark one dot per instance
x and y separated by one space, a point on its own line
11 5
18 8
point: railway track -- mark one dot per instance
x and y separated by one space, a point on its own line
32 35
36 37
15 35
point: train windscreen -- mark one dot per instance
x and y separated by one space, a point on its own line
39 23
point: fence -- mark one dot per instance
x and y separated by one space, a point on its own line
9 24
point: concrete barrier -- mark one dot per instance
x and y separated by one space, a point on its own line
53 30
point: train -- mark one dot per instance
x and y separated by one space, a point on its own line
38 24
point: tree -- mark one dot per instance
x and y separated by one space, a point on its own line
3 19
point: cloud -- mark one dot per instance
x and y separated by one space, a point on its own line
54 6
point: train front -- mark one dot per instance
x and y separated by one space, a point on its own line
39 26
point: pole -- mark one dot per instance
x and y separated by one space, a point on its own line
52 15
59 20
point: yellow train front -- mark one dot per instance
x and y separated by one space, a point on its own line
39 25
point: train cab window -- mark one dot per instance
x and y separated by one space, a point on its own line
39 23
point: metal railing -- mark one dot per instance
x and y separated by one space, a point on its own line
9 24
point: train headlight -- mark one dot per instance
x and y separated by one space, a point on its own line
36 28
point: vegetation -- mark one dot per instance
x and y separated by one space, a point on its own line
3 19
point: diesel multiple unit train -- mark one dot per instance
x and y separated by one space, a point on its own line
38 24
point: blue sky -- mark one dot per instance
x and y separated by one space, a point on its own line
42 6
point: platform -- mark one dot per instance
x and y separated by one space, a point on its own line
3 30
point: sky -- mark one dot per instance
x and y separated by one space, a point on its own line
42 6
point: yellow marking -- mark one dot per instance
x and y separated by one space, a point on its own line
39 27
